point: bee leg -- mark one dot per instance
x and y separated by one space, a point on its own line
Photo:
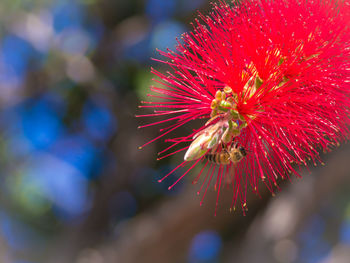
234 145
229 148
223 145
225 148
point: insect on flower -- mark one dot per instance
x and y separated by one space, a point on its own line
223 131
234 154
272 80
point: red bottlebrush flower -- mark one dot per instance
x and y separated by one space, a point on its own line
272 78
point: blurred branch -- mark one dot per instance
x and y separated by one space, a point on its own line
165 234
287 214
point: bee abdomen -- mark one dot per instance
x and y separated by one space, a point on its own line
218 158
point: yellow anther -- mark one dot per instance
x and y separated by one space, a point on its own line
213 104
218 95
227 89
225 105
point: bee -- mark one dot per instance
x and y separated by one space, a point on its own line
235 154
223 131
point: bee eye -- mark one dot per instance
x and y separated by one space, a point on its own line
242 150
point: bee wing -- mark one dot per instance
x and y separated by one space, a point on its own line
198 134
211 129
211 119
216 138
197 148
221 127
204 140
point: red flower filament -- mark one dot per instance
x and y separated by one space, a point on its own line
272 80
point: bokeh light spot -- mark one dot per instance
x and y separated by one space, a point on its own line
160 9
66 15
16 53
164 34
41 124
205 246
79 152
98 121
61 183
